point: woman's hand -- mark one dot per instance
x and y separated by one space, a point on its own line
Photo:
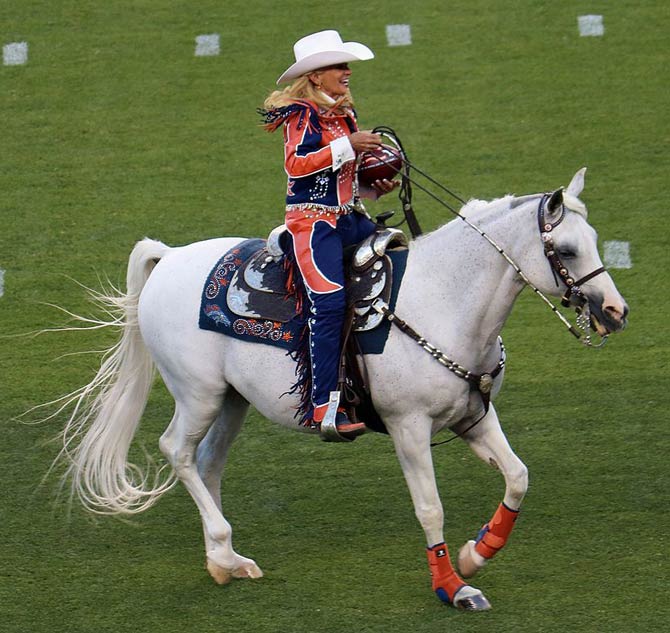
382 187
365 141
378 188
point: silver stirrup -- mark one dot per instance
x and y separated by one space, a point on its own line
328 425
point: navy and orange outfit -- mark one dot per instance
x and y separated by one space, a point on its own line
321 192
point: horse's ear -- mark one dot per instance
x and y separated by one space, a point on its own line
577 183
555 202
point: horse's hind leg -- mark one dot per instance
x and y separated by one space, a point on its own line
191 422
490 444
211 458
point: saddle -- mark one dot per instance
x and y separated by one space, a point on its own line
263 287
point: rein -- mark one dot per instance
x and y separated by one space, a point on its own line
483 383
581 331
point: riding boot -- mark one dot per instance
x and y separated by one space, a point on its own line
346 429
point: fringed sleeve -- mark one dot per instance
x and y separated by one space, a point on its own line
275 117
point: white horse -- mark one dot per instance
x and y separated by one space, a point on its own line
457 292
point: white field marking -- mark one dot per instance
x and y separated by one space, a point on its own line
398 34
2 282
207 45
591 25
15 54
617 254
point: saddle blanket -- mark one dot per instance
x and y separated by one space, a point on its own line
216 316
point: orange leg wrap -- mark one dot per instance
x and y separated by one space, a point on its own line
446 582
495 533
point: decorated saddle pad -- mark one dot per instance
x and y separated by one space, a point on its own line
217 316
219 311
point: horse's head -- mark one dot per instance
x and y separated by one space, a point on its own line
570 246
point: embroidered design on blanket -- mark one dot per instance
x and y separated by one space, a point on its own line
215 315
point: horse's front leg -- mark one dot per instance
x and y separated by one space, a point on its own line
412 445
490 444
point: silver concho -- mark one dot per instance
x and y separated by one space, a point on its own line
485 383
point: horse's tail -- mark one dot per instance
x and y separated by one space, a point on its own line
107 411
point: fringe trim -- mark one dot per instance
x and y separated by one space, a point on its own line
319 209
275 117
300 351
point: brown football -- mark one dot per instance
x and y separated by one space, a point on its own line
379 164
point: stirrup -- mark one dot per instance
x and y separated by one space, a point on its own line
330 431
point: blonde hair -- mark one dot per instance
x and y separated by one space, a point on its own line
304 88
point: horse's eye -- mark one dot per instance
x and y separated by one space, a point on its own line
567 253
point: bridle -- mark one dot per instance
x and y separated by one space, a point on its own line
573 295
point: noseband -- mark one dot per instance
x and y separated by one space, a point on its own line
560 271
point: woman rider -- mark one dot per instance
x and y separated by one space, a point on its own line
323 212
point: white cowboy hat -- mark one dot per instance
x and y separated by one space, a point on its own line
323 49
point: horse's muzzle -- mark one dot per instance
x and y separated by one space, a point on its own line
606 319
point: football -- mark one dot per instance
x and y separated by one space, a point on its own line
379 164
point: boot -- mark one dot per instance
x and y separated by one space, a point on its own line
346 428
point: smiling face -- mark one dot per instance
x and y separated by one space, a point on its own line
333 80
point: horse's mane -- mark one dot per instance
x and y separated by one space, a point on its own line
575 204
476 208
472 207
510 201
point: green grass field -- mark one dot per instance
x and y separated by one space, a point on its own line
115 130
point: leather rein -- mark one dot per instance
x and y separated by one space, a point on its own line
573 296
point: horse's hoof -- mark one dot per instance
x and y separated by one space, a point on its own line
470 599
469 560
248 570
222 575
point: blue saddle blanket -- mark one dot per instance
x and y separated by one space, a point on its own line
215 315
